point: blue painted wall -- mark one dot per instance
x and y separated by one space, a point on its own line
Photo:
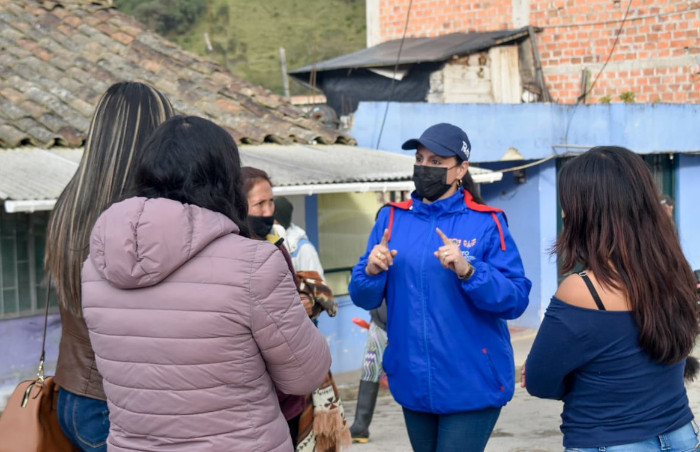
534 129
547 221
531 211
345 338
687 208
21 349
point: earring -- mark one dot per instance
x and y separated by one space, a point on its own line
459 182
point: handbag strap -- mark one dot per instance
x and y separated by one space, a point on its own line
40 374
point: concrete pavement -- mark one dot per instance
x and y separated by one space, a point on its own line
526 424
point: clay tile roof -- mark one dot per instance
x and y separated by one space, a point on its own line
57 58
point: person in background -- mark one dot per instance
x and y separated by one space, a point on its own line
257 187
452 276
668 204
616 336
125 117
193 323
372 372
303 253
316 421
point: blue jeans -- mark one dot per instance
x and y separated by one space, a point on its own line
459 432
84 421
685 439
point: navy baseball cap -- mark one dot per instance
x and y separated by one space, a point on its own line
444 140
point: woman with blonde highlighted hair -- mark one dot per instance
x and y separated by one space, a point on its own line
125 117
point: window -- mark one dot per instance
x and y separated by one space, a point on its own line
344 223
22 244
663 169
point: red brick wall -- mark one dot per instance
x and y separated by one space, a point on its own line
439 17
657 56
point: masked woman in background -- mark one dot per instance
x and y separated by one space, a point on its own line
316 421
125 117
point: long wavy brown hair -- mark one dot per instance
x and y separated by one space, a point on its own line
125 116
615 226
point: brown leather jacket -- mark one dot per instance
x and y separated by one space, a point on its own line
76 370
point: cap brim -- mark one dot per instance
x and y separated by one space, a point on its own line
413 143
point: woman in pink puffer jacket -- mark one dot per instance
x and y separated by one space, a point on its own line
194 324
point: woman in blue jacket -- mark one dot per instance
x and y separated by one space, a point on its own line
452 276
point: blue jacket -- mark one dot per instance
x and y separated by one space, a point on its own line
449 347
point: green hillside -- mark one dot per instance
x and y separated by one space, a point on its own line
246 35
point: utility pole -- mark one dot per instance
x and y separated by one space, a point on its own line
285 80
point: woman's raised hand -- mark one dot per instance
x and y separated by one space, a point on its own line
451 256
381 256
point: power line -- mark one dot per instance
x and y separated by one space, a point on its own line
580 98
528 165
612 49
612 21
393 78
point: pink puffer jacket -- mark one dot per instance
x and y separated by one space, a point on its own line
193 326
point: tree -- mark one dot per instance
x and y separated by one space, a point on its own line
165 16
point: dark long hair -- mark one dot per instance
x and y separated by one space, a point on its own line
193 161
125 116
615 226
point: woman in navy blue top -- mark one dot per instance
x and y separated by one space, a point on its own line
615 337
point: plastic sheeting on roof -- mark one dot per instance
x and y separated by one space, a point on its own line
415 50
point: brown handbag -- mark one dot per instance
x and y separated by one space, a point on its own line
30 420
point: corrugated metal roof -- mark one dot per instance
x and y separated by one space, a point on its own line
305 164
416 50
58 58
32 174
35 174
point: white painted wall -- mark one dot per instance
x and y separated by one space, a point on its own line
521 13
372 17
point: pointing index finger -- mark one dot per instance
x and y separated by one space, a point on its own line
385 238
442 235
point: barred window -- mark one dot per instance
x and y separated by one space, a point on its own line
22 282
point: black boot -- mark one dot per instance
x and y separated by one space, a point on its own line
366 400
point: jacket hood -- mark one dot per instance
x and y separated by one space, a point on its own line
138 242
295 234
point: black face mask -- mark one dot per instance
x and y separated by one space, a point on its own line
260 226
431 181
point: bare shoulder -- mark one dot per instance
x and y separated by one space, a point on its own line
573 291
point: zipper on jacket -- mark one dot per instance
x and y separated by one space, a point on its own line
426 342
494 371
